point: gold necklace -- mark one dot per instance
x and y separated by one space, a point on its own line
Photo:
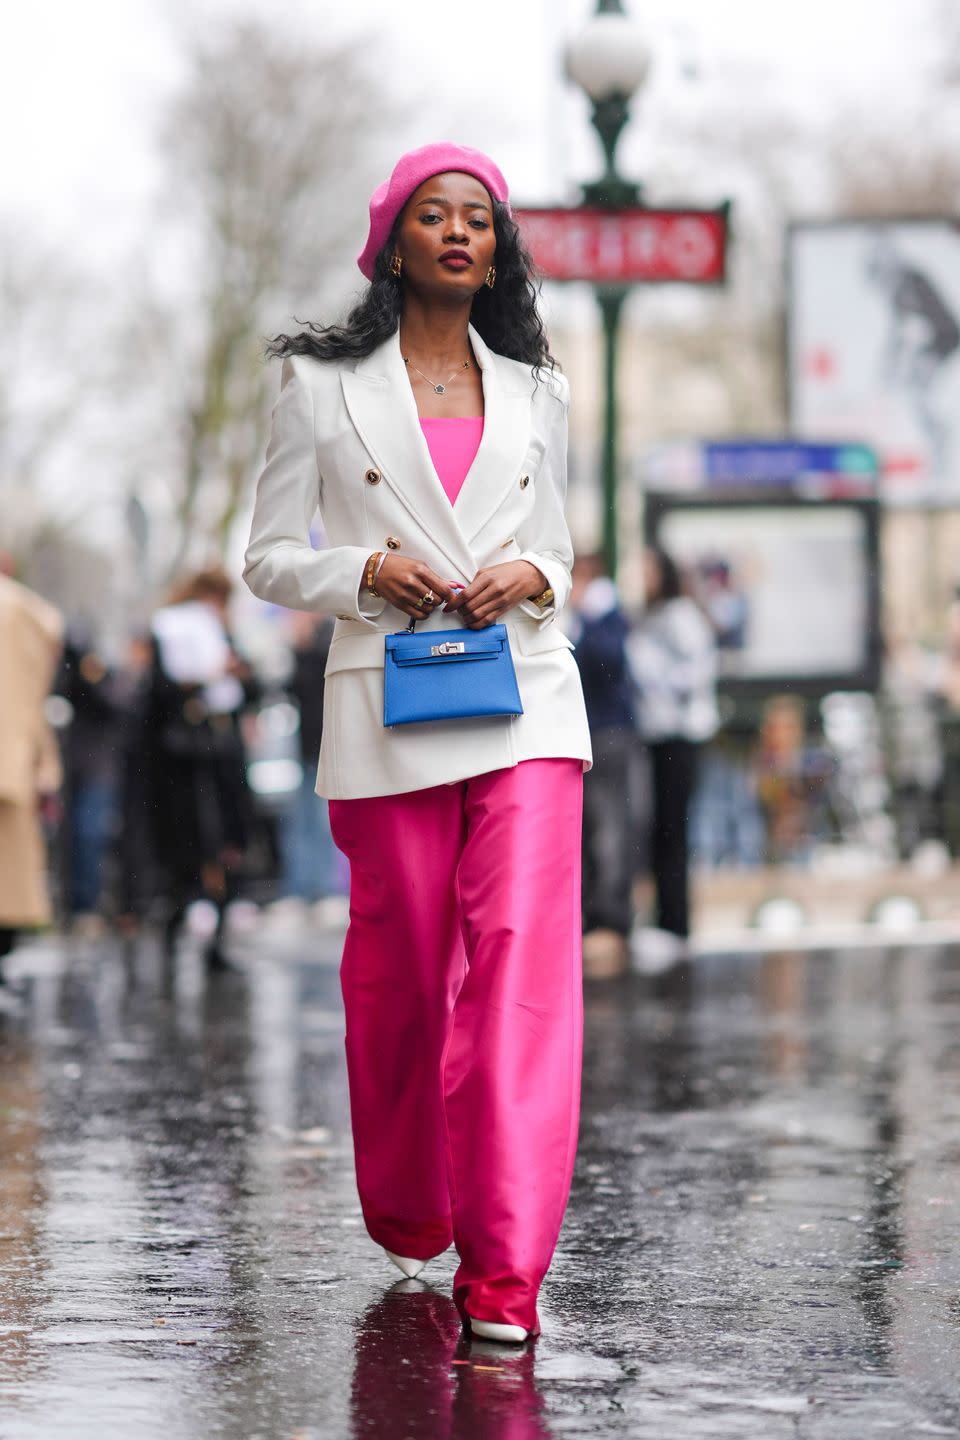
442 388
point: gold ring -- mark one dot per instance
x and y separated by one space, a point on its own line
427 599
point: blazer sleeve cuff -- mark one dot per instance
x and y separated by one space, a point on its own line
324 582
558 579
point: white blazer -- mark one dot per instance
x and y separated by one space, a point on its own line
346 437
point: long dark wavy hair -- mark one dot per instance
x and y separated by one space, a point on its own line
671 579
506 316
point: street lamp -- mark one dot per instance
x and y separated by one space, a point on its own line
610 60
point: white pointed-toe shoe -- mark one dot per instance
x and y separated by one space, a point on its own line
410 1268
502 1334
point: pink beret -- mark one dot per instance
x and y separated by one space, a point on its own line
411 170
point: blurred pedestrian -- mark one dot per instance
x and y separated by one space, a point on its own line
444 442
672 655
912 733
309 854
793 778
199 799
136 881
599 628
30 639
950 728
91 745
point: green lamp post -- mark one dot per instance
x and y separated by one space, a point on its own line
610 60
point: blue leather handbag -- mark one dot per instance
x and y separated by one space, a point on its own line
448 675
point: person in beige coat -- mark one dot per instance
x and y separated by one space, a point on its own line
31 631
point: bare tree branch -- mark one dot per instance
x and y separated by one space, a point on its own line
267 152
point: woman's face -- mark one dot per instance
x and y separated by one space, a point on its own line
446 239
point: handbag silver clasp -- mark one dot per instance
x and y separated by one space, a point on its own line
449 647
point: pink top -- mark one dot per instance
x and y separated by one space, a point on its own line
453 441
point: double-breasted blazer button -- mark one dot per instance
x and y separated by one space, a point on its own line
393 543
373 477
524 481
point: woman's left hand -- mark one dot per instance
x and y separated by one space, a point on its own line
495 590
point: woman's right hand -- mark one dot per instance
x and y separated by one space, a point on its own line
403 582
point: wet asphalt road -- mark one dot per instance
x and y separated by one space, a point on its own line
762 1240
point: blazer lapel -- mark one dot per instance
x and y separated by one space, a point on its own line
506 436
381 405
383 410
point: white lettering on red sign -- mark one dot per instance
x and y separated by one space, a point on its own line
628 245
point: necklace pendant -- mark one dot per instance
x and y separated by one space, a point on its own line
440 389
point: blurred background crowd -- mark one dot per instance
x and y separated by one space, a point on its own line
764 460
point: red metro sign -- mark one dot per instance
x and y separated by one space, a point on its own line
628 247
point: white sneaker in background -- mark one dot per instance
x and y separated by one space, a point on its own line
931 857
288 915
653 951
243 917
200 919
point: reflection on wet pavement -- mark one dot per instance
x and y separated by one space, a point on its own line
762 1240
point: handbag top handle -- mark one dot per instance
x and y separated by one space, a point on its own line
411 627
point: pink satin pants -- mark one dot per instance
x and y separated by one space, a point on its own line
462 987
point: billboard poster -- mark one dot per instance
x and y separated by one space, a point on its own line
789 586
874 348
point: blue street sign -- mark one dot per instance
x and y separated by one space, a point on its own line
817 469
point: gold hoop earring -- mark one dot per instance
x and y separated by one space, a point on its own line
491 279
396 265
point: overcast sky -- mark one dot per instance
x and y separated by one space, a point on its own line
82 85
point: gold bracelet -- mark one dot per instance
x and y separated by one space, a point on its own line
371 565
545 598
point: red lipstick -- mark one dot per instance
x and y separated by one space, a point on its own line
455 258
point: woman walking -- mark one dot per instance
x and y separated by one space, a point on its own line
672 656
430 428
201 810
